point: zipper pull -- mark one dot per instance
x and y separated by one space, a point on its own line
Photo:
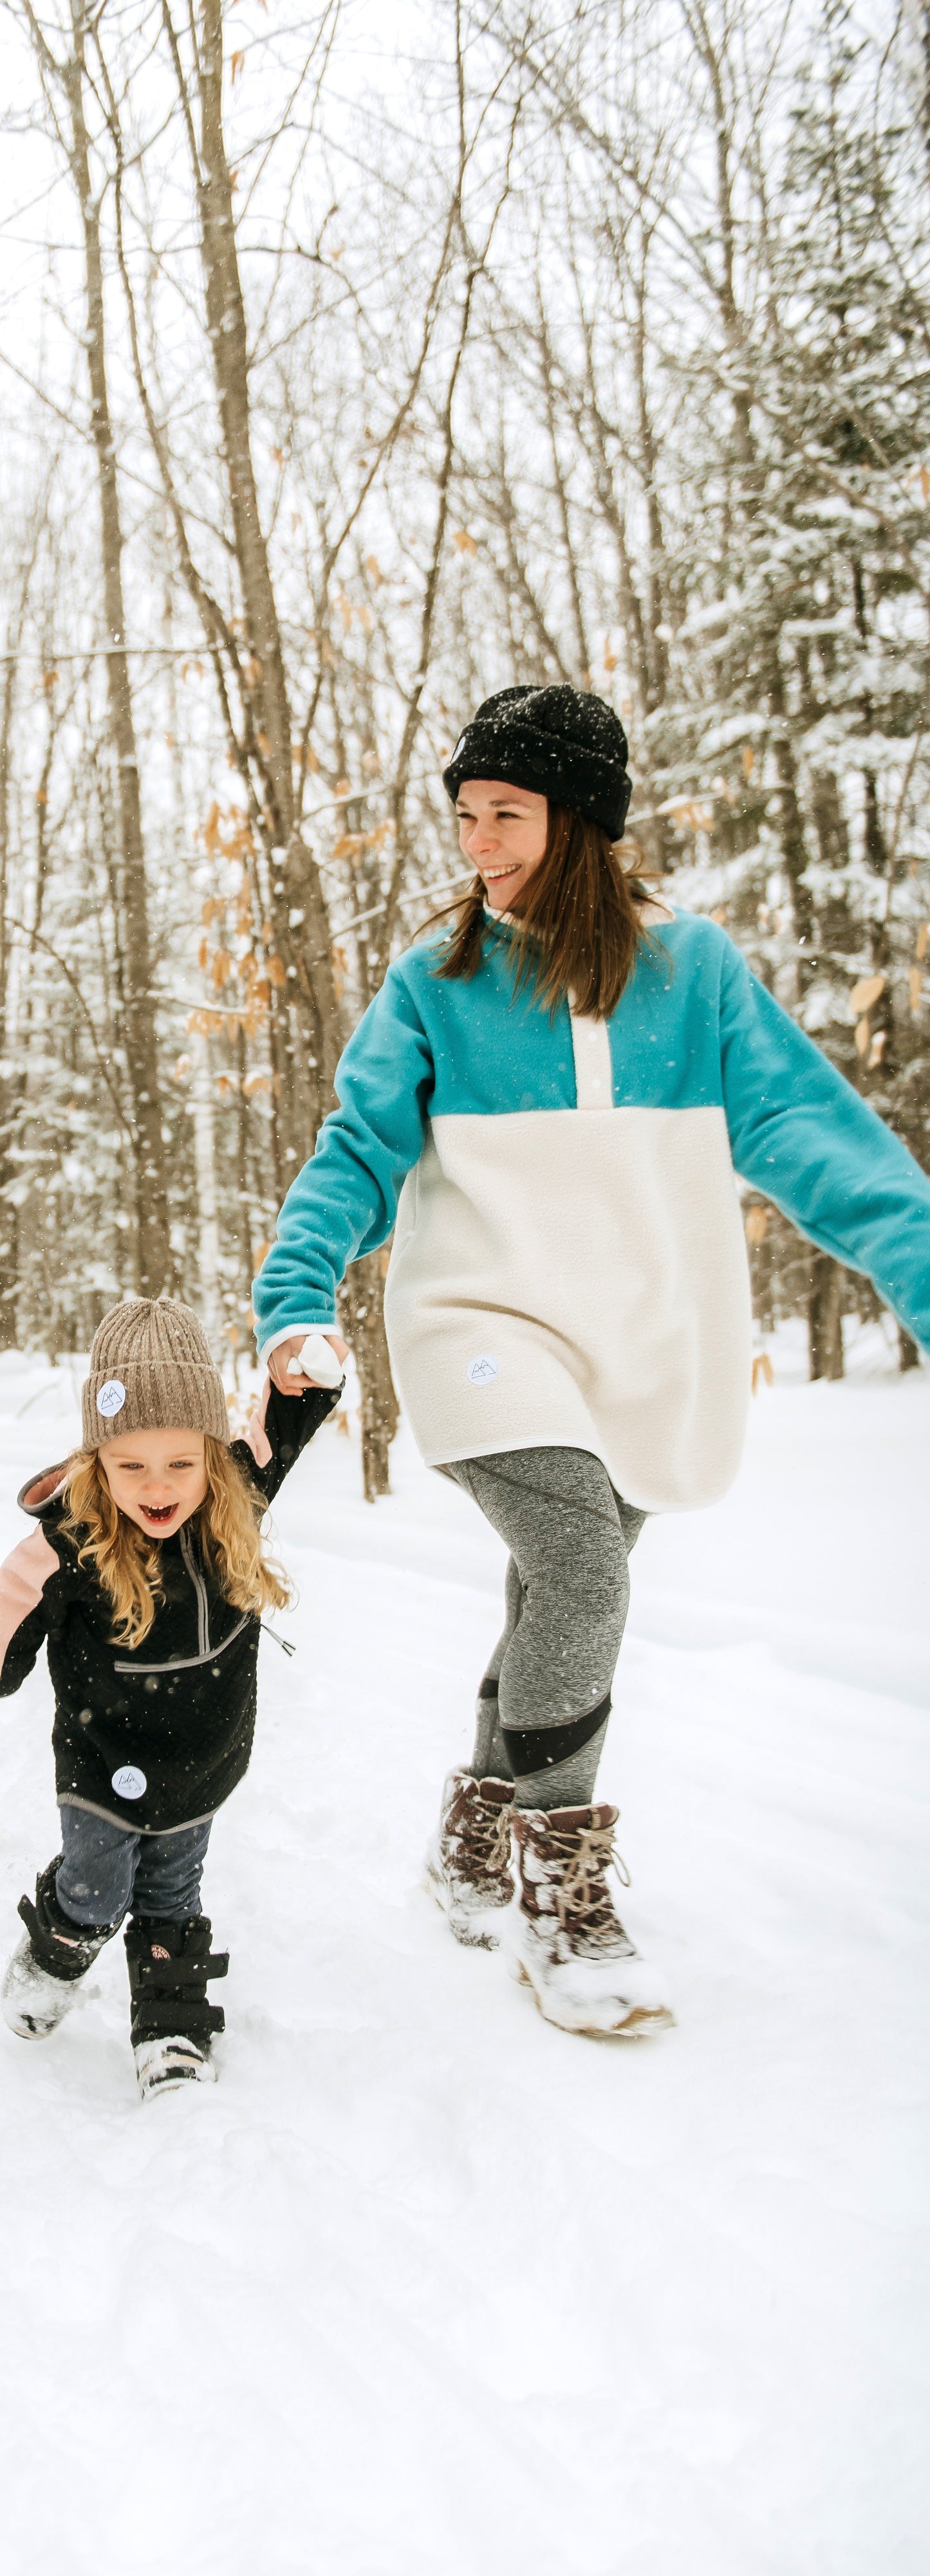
283 1642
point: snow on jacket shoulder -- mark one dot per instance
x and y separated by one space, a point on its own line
569 1263
153 1736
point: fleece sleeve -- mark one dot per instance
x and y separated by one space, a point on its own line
23 1608
800 1133
344 1202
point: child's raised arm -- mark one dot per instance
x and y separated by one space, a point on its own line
24 1577
280 1428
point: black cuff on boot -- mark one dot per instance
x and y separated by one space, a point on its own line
62 1947
169 1967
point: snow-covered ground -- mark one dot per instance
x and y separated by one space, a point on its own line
426 2288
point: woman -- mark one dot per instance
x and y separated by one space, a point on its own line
550 1101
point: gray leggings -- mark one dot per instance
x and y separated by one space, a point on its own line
104 1870
544 1702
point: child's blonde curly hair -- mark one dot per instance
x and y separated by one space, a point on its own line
127 1564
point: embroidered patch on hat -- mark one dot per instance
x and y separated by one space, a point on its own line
129 1783
483 1370
111 1397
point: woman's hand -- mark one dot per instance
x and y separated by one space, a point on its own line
290 1350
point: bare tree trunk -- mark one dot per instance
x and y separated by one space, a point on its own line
154 1265
9 1087
361 1306
294 880
825 1317
295 884
208 1233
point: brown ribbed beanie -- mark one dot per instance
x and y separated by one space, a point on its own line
151 1370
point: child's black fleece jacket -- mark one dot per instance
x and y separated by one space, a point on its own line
156 1736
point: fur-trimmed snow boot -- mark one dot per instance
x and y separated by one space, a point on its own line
173 2025
44 1973
565 1936
468 1861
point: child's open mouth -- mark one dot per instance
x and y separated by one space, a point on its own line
158 1513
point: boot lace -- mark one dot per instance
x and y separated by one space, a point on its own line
485 1838
584 1902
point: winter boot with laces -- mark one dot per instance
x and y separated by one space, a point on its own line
566 1939
42 1980
173 2025
468 1862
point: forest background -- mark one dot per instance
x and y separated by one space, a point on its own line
353 364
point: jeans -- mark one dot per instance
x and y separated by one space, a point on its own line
104 1871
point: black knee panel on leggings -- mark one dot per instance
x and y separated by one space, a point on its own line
169 1967
541 1748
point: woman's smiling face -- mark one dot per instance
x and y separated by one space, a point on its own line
502 830
158 1478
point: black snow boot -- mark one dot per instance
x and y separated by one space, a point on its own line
49 1961
173 2025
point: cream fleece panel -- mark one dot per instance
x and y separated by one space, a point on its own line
577 1280
594 1078
23 1577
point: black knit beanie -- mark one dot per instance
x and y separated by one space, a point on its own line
563 742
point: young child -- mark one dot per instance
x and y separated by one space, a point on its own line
147 1578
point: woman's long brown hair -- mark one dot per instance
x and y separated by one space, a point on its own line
578 922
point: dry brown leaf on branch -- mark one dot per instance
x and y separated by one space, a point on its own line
236 66
465 542
923 935
373 568
757 1224
209 1024
762 1371
863 1037
252 1082
687 814
866 992
276 970
915 986
749 760
348 844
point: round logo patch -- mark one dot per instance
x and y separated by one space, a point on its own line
483 1370
129 1783
111 1397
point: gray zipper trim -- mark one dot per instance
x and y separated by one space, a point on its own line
203 1620
186 1663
